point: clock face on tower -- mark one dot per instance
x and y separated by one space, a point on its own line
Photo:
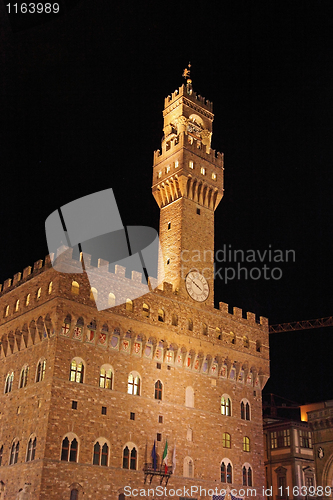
197 286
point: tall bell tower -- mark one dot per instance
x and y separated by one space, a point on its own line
188 186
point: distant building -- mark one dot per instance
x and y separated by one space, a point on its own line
289 460
320 419
289 457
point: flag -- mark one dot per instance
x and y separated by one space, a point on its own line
165 457
174 459
153 456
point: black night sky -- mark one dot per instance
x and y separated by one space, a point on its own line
82 95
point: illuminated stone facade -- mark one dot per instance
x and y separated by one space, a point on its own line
166 367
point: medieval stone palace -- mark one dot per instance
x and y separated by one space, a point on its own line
160 391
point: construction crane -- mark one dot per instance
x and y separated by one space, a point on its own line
301 325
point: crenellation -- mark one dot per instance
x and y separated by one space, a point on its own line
26 272
136 276
120 271
38 265
16 278
238 313
7 284
251 317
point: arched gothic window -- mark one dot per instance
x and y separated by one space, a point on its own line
189 397
247 475
161 315
31 450
24 377
14 451
75 288
76 371
129 305
101 454
188 467
133 385
9 382
158 390
130 456
111 300
106 377
226 472
145 310
40 373
226 406
74 494
69 449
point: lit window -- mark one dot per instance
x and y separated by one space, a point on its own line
246 444
6 312
226 406
191 164
39 293
17 305
214 176
203 171
9 382
76 371
24 377
105 377
50 288
111 300
160 315
226 440
75 288
176 164
167 170
40 374
93 294
145 310
14 453
160 174
190 324
133 385
305 439
31 450
129 305
158 390
27 300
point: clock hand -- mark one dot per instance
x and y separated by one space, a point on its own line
196 285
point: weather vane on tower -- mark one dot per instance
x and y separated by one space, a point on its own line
186 75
